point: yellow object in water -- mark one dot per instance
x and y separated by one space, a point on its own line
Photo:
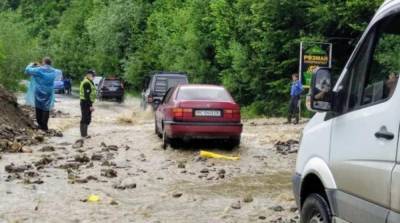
93 198
206 154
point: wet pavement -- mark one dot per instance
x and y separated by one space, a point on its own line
123 163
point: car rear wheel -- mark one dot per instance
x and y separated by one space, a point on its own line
157 131
316 210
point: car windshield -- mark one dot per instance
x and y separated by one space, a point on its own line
112 83
97 80
203 94
59 76
164 83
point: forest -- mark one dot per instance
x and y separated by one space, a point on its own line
249 46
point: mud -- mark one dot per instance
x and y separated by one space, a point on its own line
137 181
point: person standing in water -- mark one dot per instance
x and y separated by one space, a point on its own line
295 92
40 93
87 93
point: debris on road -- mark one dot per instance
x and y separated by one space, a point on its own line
78 144
287 147
206 154
93 198
236 205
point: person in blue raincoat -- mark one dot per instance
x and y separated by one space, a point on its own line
40 93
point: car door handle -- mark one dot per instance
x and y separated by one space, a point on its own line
383 133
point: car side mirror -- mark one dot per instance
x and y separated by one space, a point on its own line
320 99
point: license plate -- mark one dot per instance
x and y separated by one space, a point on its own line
207 113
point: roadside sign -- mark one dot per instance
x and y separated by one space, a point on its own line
313 55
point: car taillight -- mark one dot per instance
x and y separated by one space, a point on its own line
180 113
150 99
229 113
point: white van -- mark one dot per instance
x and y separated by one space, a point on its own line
348 166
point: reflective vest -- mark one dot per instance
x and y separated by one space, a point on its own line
92 92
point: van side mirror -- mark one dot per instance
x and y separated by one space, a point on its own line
321 91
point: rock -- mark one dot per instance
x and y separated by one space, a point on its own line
44 161
15 147
177 194
102 144
47 149
3 145
205 170
125 184
112 148
248 199
26 150
113 202
108 163
110 173
181 165
11 168
293 209
39 138
31 174
277 208
90 177
288 147
236 205
54 133
81 181
78 144
70 165
97 156
82 158
221 173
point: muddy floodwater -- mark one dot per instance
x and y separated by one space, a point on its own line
135 180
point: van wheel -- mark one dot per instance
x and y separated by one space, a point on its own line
316 210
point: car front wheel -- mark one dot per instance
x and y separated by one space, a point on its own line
316 210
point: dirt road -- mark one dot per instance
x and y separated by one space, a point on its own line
137 181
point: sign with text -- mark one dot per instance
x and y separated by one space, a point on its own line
313 55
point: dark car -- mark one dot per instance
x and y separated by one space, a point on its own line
198 112
158 84
111 88
59 83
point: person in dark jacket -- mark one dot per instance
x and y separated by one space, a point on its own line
88 97
295 92
67 85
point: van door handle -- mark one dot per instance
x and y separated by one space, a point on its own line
384 134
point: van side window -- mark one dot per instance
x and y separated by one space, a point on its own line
374 74
358 72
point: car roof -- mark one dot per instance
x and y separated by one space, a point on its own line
170 75
210 86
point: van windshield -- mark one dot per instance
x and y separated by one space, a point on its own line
203 94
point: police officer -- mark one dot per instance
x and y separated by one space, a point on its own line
88 97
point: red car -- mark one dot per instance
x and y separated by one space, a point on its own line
198 112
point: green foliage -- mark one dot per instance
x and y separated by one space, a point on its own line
17 48
249 46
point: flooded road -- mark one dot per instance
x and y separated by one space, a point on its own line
124 164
